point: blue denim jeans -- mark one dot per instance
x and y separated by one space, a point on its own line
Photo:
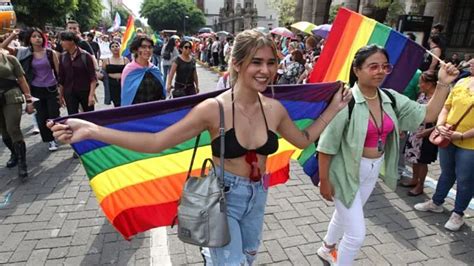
456 165
245 212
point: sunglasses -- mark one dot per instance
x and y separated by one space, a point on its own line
375 68
187 47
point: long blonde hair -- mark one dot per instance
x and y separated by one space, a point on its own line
245 46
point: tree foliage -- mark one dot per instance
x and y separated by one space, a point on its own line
170 14
286 10
88 14
39 12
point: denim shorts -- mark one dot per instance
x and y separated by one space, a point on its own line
245 212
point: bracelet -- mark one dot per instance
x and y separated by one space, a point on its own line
324 120
441 84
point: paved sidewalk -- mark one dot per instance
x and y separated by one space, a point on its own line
297 217
54 219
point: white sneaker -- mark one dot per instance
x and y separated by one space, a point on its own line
328 256
428 206
455 222
53 146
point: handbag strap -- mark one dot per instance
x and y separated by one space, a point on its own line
462 117
222 146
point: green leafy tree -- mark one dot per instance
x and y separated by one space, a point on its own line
88 14
39 12
333 12
163 14
286 10
138 23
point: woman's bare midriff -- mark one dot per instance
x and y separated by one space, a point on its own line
371 153
239 166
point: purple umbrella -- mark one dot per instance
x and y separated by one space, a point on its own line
322 30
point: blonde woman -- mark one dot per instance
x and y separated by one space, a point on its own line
252 124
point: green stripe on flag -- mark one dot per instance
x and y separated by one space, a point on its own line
379 34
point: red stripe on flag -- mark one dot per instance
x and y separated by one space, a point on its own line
136 220
337 30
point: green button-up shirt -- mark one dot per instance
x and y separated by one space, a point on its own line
345 140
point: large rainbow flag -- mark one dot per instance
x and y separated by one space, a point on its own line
128 37
349 32
139 191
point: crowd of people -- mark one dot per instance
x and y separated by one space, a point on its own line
362 129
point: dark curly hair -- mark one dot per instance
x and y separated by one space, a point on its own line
137 42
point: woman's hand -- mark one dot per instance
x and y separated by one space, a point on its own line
72 130
447 73
29 109
91 100
341 98
326 189
456 135
445 130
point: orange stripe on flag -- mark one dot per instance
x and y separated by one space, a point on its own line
343 48
157 191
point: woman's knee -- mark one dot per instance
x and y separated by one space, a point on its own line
355 239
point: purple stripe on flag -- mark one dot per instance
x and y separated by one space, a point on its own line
409 60
307 92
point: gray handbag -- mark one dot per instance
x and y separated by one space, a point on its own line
202 216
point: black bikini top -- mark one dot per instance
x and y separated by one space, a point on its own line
233 149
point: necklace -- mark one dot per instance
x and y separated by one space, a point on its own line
372 97
380 145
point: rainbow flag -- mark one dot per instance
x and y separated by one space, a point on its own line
350 31
128 37
139 191
156 38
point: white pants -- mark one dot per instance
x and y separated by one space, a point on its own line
349 223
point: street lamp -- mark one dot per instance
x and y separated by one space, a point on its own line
184 24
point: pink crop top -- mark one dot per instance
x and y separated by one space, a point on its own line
372 135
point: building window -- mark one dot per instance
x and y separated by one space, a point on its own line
462 24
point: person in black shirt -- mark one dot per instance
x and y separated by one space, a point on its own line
184 66
73 26
94 45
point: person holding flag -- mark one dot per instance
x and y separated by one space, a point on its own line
252 123
359 140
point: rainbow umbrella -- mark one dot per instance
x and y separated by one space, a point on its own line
304 26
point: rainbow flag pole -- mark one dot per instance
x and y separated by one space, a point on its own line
128 37
350 31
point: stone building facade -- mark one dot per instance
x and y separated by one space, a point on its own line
237 15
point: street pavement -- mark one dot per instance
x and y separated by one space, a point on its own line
54 219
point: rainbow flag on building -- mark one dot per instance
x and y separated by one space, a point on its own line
349 32
139 191
128 37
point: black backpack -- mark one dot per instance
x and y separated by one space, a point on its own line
390 95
